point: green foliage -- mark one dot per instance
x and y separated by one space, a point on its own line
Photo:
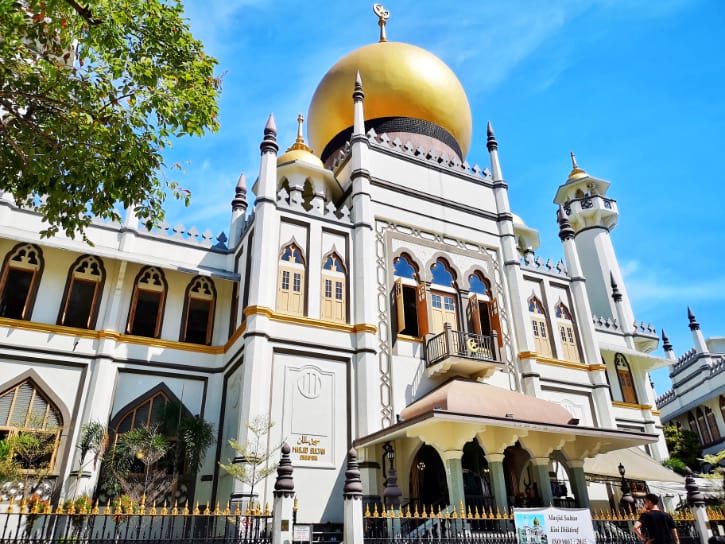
676 464
255 454
90 96
683 445
93 438
196 435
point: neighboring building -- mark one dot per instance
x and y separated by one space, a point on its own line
380 293
697 398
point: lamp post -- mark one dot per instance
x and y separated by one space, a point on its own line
421 481
392 492
626 503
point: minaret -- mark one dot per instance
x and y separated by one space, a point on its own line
367 413
239 210
593 215
669 352
512 270
697 338
598 378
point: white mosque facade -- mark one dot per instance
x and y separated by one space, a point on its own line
379 293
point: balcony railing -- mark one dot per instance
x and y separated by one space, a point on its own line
460 352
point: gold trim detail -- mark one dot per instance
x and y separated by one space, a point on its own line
108 334
308 321
631 405
574 365
410 338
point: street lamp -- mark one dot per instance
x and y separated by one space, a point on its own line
626 503
392 492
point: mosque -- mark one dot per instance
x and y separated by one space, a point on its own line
377 292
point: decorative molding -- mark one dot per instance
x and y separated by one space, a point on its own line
574 365
308 321
631 405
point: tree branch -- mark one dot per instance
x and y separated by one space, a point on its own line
83 12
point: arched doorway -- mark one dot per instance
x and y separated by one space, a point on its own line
521 485
428 486
476 477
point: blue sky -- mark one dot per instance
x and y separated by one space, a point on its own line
636 88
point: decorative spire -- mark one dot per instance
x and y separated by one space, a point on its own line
694 496
269 143
565 230
358 93
353 484
491 143
666 341
575 170
284 485
383 16
300 140
616 295
239 202
694 325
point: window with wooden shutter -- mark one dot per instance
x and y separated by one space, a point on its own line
291 281
198 317
540 328
333 305
624 375
19 281
83 293
147 303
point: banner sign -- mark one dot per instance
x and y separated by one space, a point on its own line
554 526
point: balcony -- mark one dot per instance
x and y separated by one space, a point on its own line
462 354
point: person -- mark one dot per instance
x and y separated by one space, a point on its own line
655 526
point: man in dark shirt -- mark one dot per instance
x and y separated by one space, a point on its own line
654 525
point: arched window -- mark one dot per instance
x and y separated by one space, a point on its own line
542 343
160 412
291 281
567 335
26 411
147 303
443 302
19 283
482 310
722 406
692 423
408 298
712 424
83 293
334 290
702 424
199 304
624 375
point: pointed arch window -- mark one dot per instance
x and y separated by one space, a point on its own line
334 290
540 328
712 424
443 297
408 299
291 281
19 282
692 423
147 303
482 311
26 410
199 304
83 293
624 375
702 424
567 334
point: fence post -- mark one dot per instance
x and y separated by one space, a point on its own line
696 502
353 531
284 492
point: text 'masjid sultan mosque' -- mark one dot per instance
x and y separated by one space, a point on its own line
379 293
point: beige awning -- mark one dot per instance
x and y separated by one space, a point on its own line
637 465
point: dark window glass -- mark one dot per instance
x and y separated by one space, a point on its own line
15 294
411 311
197 321
80 303
146 314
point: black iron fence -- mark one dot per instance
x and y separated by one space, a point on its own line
486 526
116 524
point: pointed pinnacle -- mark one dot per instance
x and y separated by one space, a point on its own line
694 325
666 341
565 230
358 93
616 295
491 143
270 126
269 143
242 183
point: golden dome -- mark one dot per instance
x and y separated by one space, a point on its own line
400 81
299 151
576 172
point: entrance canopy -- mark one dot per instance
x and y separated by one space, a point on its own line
637 464
459 410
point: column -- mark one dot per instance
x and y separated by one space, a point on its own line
498 482
578 483
454 476
542 477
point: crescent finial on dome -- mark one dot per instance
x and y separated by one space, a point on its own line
383 16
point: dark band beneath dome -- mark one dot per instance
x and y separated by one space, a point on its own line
384 125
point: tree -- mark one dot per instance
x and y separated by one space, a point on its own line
90 96
93 438
255 454
25 460
684 447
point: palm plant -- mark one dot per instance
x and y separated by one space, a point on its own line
93 438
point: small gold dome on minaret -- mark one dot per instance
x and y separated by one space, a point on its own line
576 172
300 151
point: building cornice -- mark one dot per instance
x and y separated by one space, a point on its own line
561 362
308 321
